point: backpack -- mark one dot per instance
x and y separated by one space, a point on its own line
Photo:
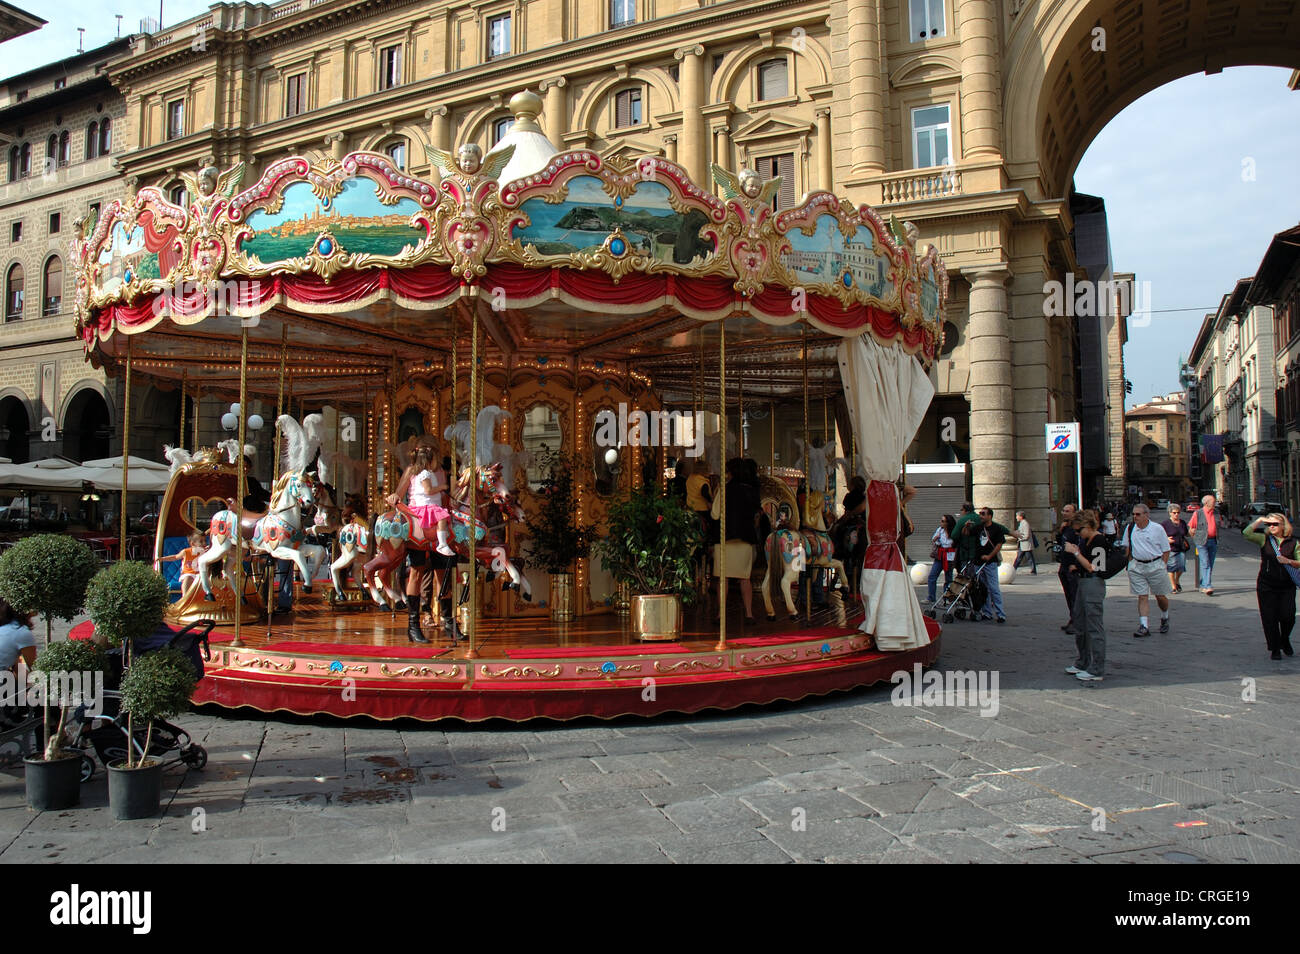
1109 561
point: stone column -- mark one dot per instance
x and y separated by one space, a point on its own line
723 149
556 110
670 147
867 94
335 141
981 81
825 178
694 144
992 424
439 127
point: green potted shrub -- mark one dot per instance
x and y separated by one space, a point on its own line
66 674
156 686
557 539
47 574
650 545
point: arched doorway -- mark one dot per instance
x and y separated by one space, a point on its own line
87 432
15 430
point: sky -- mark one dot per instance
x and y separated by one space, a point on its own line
1183 209
1197 176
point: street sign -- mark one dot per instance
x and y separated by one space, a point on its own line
1063 438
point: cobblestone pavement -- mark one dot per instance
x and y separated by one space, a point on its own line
1109 772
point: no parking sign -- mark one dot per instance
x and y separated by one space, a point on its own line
1064 439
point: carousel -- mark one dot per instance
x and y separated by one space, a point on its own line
528 312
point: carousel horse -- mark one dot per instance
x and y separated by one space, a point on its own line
390 534
280 533
796 546
496 509
353 537
221 531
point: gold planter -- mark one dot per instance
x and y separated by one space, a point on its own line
623 599
657 617
562 597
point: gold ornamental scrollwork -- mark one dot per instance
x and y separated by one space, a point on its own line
624 667
419 671
689 665
766 659
338 668
250 662
520 672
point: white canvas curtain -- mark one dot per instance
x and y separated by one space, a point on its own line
887 392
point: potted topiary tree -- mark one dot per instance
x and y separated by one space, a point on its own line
66 674
47 574
650 545
156 686
557 537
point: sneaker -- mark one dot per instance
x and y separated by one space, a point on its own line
1086 676
1164 625
1002 619
1142 631
1073 671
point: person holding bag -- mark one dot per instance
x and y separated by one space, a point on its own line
942 554
1176 530
1276 584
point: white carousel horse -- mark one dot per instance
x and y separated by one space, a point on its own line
794 548
354 544
280 534
221 531
820 462
178 457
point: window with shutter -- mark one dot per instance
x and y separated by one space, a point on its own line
498 36
105 137
65 148
627 108
769 167
14 294
390 67
295 97
53 291
773 79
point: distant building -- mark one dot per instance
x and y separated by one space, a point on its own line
1159 448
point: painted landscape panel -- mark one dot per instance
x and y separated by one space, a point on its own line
125 257
356 219
589 214
827 257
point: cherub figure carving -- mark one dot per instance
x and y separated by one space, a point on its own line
468 162
210 189
747 185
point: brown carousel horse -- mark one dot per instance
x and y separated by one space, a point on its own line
392 537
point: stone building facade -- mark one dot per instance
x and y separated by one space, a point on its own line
1158 448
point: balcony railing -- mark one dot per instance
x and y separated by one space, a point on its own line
914 186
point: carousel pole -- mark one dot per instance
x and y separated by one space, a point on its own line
237 584
275 467
180 437
722 487
452 417
771 437
740 410
473 487
126 453
826 436
807 453
370 458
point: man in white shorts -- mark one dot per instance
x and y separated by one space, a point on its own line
1148 551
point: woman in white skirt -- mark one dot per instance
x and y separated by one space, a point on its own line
742 514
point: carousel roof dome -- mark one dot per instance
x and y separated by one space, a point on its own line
532 149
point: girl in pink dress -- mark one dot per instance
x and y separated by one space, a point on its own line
427 484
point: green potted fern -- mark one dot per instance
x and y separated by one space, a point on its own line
650 543
557 539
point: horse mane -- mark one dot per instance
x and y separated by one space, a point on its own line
488 418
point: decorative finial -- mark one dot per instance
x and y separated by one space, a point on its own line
526 105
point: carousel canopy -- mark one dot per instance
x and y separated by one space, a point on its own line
364 270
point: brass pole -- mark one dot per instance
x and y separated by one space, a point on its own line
196 404
370 457
473 486
807 453
722 487
180 439
740 410
275 468
455 412
826 436
126 453
771 436
237 583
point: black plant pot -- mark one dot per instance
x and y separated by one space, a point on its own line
135 792
54 785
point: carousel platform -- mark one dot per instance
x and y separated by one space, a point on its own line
359 663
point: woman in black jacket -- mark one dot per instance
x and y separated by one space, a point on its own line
1274 586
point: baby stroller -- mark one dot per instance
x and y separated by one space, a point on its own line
963 598
107 733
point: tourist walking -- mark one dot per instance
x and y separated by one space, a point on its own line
1176 530
1275 587
1204 528
942 554
1089 600
1025 534
1148 555
991 538
966 535
1067 570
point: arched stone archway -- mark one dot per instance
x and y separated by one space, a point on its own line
87 427
15 430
